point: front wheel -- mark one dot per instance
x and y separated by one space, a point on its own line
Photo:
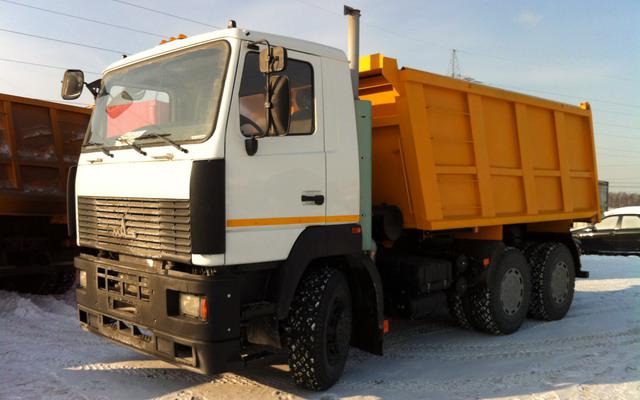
318 329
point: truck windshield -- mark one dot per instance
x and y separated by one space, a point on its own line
176 95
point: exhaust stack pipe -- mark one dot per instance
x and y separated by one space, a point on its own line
354 46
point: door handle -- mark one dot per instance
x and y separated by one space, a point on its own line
317 199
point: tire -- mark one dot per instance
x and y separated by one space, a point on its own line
458 310
318 329
501 306
553 281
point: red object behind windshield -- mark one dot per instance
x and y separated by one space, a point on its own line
123 118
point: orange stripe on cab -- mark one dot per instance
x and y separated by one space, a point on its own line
238 223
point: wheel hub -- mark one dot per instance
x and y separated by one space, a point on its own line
512 291
560 282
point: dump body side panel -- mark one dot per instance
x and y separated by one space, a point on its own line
39 141
453 154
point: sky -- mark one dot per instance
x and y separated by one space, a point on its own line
570 51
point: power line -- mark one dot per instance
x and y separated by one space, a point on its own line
83 18
43 65
58 67
467 52
64 41
472 53
615 155
616 125
530 62
599 134
380 28
214 26
563 95
619 165
612 149
617 112
166 14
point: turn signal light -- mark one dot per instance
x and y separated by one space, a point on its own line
194 306
204 308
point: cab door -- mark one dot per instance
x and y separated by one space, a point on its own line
273 195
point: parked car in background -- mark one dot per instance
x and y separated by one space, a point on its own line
617 233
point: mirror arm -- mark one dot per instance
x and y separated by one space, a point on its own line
267 104
94 87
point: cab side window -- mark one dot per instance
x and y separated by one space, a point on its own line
252 97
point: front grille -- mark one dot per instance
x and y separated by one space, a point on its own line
124 284
143 227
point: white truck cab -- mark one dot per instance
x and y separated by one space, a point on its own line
206 94
204 196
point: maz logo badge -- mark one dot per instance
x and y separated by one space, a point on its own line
121 231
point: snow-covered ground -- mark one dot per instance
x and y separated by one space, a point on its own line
594 353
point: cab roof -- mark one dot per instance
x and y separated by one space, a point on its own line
232 33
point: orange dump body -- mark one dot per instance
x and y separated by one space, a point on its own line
39 141
453 154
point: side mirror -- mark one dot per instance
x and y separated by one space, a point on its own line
273 59
72 84
280 110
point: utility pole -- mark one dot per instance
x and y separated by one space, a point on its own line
454 68
454 65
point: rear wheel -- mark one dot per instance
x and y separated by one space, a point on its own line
553 281
501 307
318 329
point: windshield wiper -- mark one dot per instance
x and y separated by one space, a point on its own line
163 137
131 142
101 147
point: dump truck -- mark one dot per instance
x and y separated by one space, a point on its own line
240 193
39 142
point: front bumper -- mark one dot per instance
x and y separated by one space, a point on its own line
138 307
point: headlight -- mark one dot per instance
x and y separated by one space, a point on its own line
82 279
193 305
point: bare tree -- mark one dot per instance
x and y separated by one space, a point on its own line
623 199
